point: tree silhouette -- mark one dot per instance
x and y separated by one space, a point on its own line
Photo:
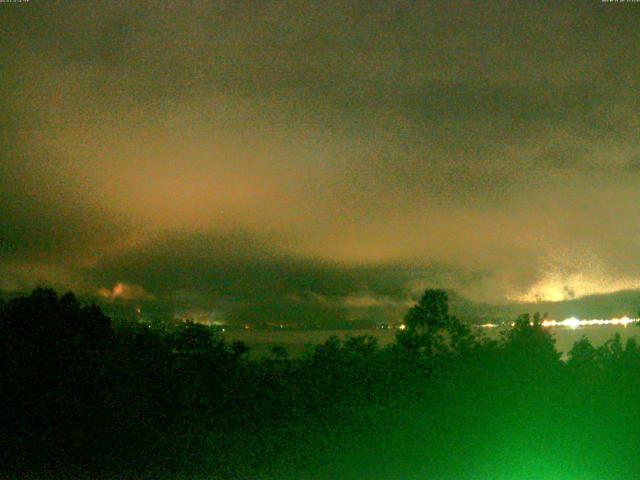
280 352
582 354
431 328
528 345
239 348
430 313
45 323
193 338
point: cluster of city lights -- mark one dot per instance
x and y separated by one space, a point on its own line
573 322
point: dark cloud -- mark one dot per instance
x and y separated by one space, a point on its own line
320 155
241 277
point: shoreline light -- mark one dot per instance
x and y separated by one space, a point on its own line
573 322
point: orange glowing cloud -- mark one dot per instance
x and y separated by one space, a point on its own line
125 291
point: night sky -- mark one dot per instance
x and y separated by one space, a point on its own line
272 160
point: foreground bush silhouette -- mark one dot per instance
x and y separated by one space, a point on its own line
81 399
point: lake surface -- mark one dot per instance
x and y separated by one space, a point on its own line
297 341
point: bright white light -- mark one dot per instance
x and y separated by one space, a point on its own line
572 322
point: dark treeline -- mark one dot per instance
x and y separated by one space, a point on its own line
83 400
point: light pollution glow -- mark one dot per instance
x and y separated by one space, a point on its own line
556 287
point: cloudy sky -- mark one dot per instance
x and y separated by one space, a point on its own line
280 158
